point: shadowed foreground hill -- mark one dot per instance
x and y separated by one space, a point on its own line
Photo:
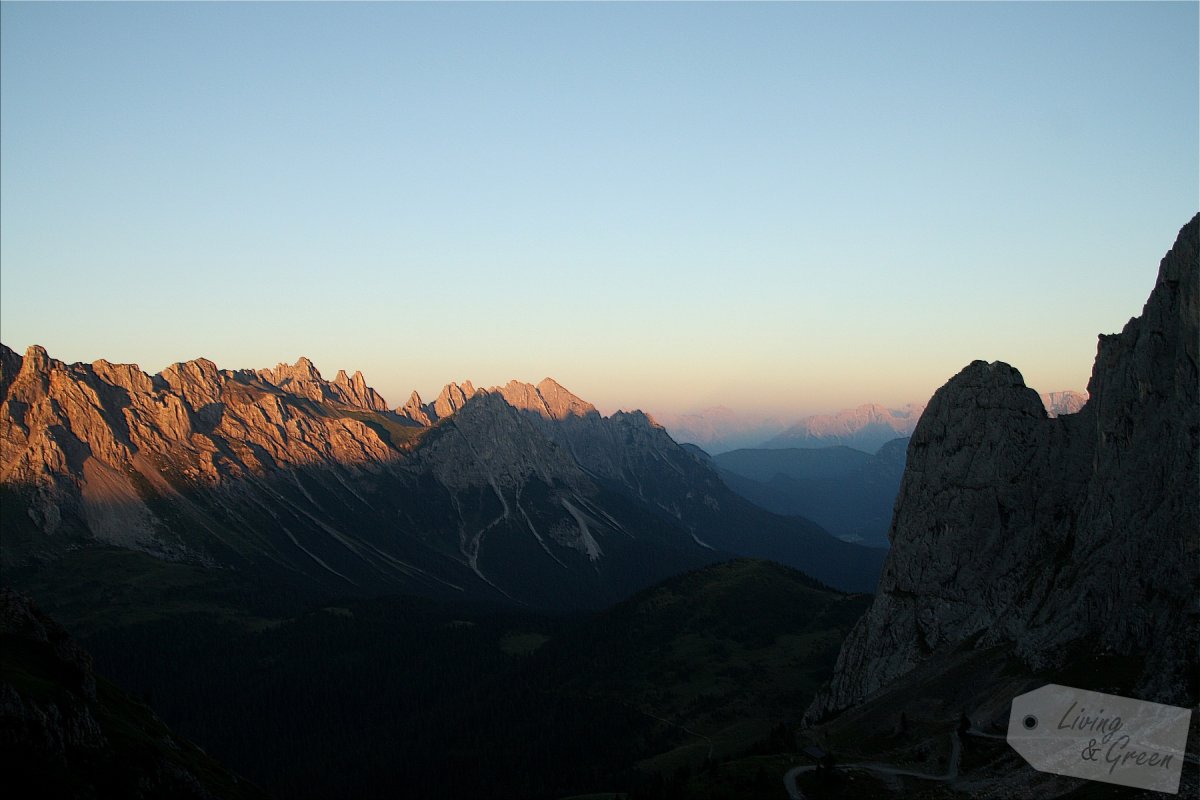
67 733
360 696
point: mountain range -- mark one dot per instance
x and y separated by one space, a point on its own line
520 493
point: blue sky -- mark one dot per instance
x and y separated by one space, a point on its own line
778 207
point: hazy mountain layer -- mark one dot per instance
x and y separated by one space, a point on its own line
848 492
868 427
719 429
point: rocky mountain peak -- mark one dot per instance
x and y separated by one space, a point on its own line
356 382
548 399
416 411
35 366
36 358
560 403
303 371
452 398
487 442
1051 535
637 418
198 381
91 440
303 379
354 391
127 376
10 365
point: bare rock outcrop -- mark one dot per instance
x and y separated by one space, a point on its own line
452 398
89 444
415 411
1051 536
353 391
302 379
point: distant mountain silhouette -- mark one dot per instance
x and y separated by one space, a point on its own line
719 429
865 428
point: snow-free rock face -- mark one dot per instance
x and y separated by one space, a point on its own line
302 379
524 492
89 443
354 391
1051 536
452 398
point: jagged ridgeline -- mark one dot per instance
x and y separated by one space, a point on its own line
281 478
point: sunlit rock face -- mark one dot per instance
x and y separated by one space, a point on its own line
518 493
1051 535
92 445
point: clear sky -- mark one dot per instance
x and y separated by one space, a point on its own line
777 207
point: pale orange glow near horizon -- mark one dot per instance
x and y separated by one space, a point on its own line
812 381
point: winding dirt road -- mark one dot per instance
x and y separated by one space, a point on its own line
888 770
